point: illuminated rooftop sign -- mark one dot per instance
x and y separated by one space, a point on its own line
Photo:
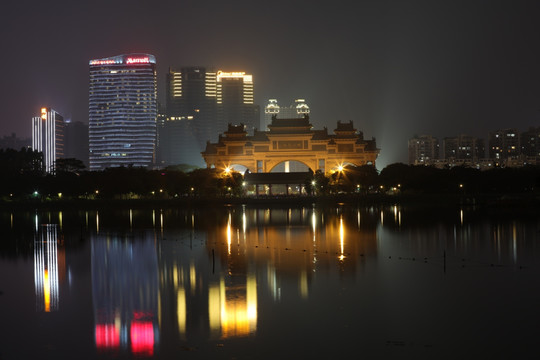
138 60
234 75
130 59
104 62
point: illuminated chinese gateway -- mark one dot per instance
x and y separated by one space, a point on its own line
291 139
122 111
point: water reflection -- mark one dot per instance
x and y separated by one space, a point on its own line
166 278
49 262
125 293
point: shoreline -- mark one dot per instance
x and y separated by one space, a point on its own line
418 200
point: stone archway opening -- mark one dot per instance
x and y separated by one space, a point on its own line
290 166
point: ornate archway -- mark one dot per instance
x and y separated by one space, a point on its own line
291 139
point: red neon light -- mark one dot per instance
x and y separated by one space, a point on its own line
143 60
107 337
142 338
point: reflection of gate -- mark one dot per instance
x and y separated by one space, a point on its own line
291 139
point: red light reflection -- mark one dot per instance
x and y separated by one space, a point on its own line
107 337
142 338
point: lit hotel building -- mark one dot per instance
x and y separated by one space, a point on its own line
48 137
122 111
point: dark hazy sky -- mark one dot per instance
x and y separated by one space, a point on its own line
396 68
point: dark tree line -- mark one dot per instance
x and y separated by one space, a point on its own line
23 178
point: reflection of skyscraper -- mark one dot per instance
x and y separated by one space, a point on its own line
125 294
47 260
48 137
122 111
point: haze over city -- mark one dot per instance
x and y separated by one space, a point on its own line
396 68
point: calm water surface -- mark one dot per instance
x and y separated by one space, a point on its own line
269 283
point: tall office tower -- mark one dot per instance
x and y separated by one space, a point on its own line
295 111
234 92
122 111
504 144
76 141
48 137
423 150
191 115
463 147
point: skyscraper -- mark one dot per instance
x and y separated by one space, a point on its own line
201 102
234 95
48 137
191 115
122 111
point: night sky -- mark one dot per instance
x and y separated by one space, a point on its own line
396 68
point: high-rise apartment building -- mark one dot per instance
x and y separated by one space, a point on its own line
122 111
294 111
48 137
530 142
463 147
423 150
504 144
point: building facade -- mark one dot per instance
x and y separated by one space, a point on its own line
530 142
122 111
201 102
235 100
423 150
13 142
504 145
463 147
48 137
291 140
76 141
191 115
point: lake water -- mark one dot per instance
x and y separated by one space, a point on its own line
269 283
